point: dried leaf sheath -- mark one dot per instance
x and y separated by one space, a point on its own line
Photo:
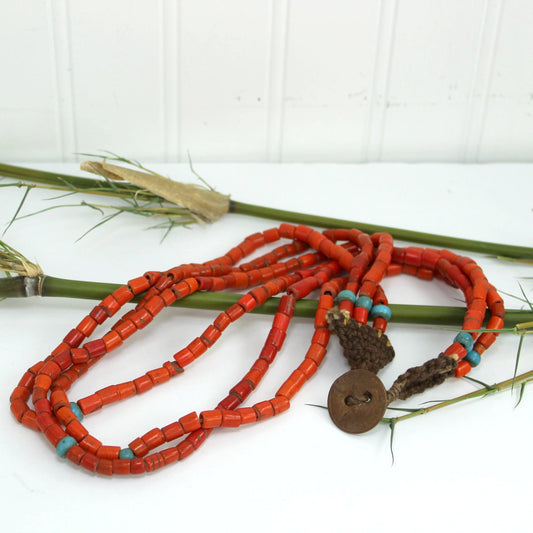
208 205
13 262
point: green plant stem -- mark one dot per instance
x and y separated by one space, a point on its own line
405 314
497 387
122 189
491 248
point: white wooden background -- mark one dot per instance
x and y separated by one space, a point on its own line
278 80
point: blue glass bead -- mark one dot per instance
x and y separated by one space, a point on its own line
364 301
473 358
75 408
346 295
464 338
126 453
64 445
382 311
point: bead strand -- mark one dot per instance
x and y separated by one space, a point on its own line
349 273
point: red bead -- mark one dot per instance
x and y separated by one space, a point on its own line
74 338
95 348
98 314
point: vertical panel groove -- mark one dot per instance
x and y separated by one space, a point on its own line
478 100
374 132
169 79
276 76
60 46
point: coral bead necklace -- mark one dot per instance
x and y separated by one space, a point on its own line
346 266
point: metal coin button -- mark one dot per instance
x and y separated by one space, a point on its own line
357 401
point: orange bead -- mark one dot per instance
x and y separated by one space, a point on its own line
108 452
230 419
184 357
108 394
264 410
316 353
248 415
211 419
153 438
87 326
173 431
190 422
158 375
280 404
197 347
110 305
142 384
154 305
121 466
43 381
112 340
123 295
76 430
308 367
90 444
125 329
89 404
126 390
138 447
462 368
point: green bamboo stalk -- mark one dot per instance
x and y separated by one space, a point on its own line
491 248
98 186
404 314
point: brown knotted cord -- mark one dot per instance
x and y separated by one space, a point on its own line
364 346
368 348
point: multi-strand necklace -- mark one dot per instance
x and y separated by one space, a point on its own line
346 267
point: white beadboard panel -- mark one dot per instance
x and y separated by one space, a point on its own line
508 128
116 77
330 52
224 79
28 98
434 54
169 77
270 80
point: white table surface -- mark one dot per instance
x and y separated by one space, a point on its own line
464 468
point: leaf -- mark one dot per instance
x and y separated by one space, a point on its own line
316 405
517 360
522 389
482 383
28 188
392 425
106 219
525 297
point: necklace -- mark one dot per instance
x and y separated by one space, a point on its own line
346 266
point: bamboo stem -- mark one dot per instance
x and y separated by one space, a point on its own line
404 314
98 186
430 239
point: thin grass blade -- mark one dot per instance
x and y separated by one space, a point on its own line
28 188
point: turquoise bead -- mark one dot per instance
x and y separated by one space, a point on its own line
75 408
364 301
346 295
382 311
126 453
64 445
473 358
464 338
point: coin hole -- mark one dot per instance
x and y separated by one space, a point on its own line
350 400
